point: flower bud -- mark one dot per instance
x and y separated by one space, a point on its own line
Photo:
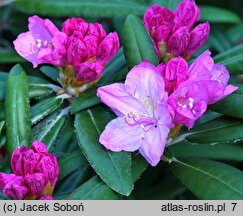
43 43
16 160
39 147
187 13
36 183
5 178
156 16
176 72
179 41
16 189
70 25
89 71
48 166
108 48
198 37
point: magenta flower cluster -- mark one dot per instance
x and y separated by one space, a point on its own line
172 33
84 46
35 173
154 100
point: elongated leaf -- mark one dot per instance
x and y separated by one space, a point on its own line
50 72
139 165
3 79
221 129
85 100
234 34
43 108
231 105
221 151
70 183
232 59
209 179
40 87
88 8
17 109
94 189
49 129
10 56
1 126
1 111
37 86
114 168
70 163
137 44
215 14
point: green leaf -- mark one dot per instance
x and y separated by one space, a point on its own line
85 100
231 105
137 43
44 108
37 87
41 88
17 109
219 130
171 4
209 179
71 162
113 71
215 14
1 126
234 34
139 165
10 56
114 168
84 8
3 79
94 189
232 59
49 129
51 72
2 111
221 151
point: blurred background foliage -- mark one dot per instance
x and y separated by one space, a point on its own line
225 18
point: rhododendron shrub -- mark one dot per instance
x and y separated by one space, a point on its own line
137 100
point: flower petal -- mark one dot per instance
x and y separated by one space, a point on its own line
116 97
153 145
145 83
201 68
119 136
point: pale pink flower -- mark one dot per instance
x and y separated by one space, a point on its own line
43 43
193 89
143 121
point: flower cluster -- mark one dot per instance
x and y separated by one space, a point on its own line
154 100
35 173
172 33
192 89
81 50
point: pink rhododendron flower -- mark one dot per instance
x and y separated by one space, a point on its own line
172 33
43 43
192 89
89 49
143 121
35 173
